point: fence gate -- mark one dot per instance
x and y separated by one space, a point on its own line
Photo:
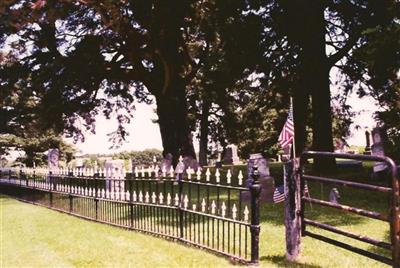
392 217
212 210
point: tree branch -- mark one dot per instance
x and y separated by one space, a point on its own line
344 50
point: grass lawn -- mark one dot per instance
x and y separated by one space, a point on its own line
38 237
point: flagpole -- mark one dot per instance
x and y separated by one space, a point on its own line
294 129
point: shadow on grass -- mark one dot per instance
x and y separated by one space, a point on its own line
282 262
381 251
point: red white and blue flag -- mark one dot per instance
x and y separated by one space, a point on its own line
279 193
287 134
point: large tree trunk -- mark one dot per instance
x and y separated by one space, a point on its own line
204 124
172 112
316 78
300 113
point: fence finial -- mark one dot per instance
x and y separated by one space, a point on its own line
223 209
198 173
234 212
217 176
240 178
169 199
213 207
228 176
208 173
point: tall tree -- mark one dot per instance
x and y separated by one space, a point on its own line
85 57
315 38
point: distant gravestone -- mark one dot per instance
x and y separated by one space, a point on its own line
367 150
334 196
52 159
115 181
378 138
231 156
179 169
191 162
166 163
266 181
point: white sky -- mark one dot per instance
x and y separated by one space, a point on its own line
146 134
143 133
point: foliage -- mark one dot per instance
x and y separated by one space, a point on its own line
136 158
35 145
139 158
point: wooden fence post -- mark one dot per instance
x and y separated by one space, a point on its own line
292 210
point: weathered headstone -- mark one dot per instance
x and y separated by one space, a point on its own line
52 159
115 181
334 196
166 163
231 156
191 162
180 169
266 181
378 138
340 145
367 150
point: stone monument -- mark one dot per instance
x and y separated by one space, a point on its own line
52 159
231 157
166 163
334 196
191 162
377 149
53 156
266 181
115 180
367 143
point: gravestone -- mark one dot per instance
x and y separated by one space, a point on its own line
266 181
231 156
378 138
334 196
367 150
218 163
115 180
179 169
52 159
190 162
166 163
53 156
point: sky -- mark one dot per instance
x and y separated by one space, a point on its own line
143 133
146 134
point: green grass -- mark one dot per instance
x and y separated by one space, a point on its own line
33 236
38 237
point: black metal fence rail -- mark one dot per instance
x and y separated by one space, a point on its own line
206 211
392 217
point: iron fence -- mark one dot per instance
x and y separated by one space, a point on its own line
199 208
392 217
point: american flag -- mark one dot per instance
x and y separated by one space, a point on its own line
279 193
287 133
